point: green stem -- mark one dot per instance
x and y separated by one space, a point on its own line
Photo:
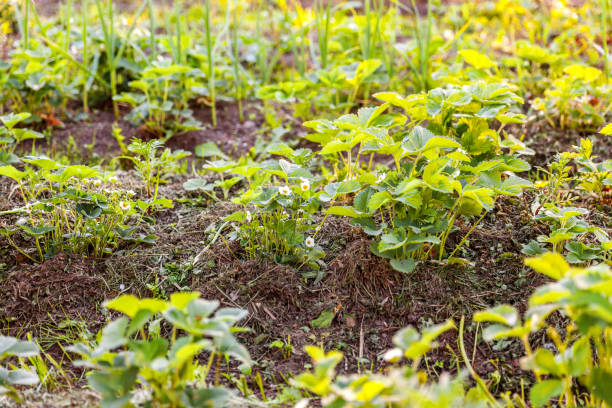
84 15
604 35
211 64
468 234
481 384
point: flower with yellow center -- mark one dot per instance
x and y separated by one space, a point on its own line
309 242
304 184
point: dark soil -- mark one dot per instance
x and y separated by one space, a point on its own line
43 292
92 139
231 135
547 142
58 302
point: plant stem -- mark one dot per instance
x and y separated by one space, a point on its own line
481 384
467 235
84 15
236 62
211 64
604 35
26 24
152 45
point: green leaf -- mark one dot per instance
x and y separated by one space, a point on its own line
113 335
403 265
89 210
130 305
599 382
483 196
38 230
513 185
14 347
324 319
434 177
280 149
345 211
209 149
22 377
476 59
238 216
420 140
392 240
335 146
360 202
504 314
546 362
181 300
364 70
379 199
25 134
339 188
42 162
12 172
195 184
533 248
12 119
580 360
544 391
606 130
163 202
549 264
397 100
499 331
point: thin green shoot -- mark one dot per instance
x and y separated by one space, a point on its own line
84 18
211 62
236 59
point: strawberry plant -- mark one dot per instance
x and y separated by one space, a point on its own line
574 99
35 82
70 207
161 105
151 167
11 377
568 225
578 293
277 219
451 168
130 353
11 136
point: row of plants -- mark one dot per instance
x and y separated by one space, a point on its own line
403 171
174 353
79 208
445 162
163 63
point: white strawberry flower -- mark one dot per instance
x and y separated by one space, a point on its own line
285 190
124 205
303 403
394 355
304 184
309 242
